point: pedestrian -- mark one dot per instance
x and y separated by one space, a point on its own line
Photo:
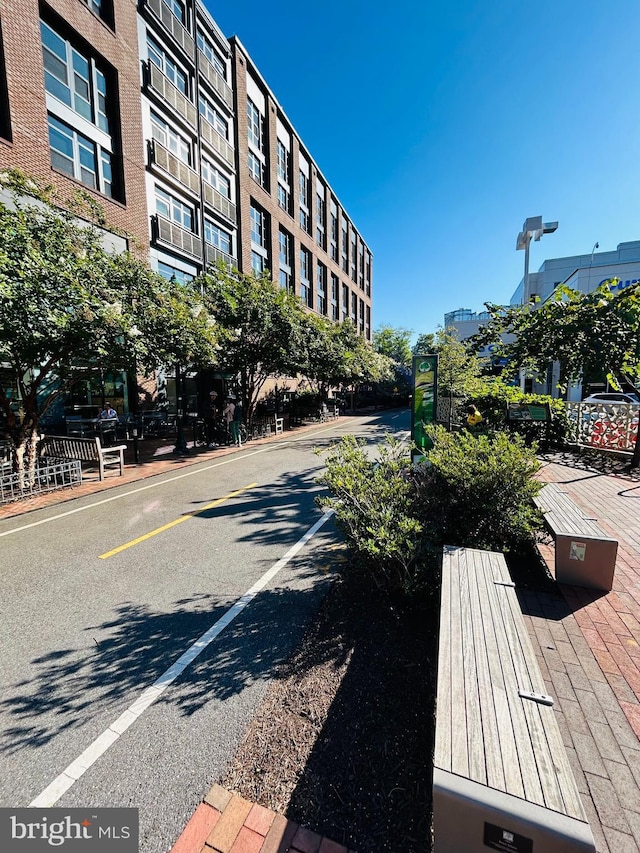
236 423
108 413
474 418
228 413
210 418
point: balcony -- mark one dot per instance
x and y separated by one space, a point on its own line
215 80
161 12
213 255
162 86
175 167
219 145
218 202
178 238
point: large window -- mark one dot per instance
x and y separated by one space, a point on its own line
173 208
335 290
170 138
306 294
217 237
215 118
79 157
167 64
74 79
169 272
283 163
177 7
217 179
258 229
285 252
320 214
321 289
345 247
255 168
212 54
254 125
283 198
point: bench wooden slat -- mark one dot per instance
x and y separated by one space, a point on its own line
84 449
444 697
475 745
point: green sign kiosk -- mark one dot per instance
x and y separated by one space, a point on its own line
425 399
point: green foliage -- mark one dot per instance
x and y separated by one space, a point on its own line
458 372
262 329
68 306
472 491
373 502
477 491
394 343
336 355
492 395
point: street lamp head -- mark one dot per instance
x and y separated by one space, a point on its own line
534 228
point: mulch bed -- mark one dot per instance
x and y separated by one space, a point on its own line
343 740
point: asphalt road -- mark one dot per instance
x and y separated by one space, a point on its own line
103 596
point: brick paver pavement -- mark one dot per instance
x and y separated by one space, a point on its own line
588 647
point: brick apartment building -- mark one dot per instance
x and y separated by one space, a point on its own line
148 106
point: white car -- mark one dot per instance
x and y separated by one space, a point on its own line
613 397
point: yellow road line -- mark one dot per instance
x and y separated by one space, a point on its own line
176 521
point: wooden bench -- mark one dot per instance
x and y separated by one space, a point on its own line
502 778
585 554
84 449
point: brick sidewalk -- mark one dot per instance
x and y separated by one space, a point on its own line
588 647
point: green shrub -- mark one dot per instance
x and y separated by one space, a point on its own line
374 505
477 491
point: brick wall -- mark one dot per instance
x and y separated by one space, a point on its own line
28 149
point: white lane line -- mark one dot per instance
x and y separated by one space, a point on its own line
120 495
101 744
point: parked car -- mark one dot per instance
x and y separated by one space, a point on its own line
613 397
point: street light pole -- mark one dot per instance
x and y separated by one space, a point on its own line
533 228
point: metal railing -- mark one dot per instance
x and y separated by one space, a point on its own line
50 474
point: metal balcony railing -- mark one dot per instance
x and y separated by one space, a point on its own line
213 255
215 80
219 202
169 21
168 161
213 138
174 235
170 93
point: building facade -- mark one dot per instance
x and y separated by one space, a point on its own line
169 125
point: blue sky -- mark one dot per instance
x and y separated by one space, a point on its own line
442 126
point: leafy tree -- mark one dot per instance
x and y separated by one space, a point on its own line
588 333
393 344
336 355
68 306
425 344
261 329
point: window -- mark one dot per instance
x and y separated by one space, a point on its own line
284 248
368 275
361 267
217 237
169 67
305 267
335 290
172 208
345 247
77 156
257 263
255 167
320 216
304 220
321 289
354 309
211 114
169 272
254 125
353 257
361 305
73 78
283 198
178 9
213 176
283 162
258 227
304 189
333 233
212 54
345 302
103 9
367 327
94 5
285 280
170 139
